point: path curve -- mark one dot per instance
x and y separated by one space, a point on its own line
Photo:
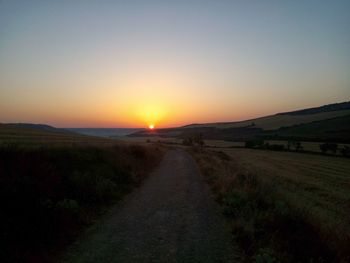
171 218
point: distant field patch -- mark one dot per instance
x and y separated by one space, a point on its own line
221 143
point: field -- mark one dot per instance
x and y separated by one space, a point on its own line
319 183
178 141
277 121
282 205
52 186
153 139
307 146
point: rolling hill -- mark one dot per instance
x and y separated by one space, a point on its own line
33 134
286 119
326 123
38 127
332 130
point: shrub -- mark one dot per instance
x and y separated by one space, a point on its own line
275 147
345 151
187 141
265 255
325 147
296 145
254 144
69 205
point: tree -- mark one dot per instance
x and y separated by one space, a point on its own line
296 145
198 139
187 141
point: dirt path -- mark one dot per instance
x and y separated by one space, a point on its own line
171 218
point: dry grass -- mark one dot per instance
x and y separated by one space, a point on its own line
318 183
49 192
314 189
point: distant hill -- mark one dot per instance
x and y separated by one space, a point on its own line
39 127
332 130
325 108
325 123
286 119
104 132
28 134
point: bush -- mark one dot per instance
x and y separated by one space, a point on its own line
296 145
265 256
345 151
194 140
332 147
274 147
254 144
187 141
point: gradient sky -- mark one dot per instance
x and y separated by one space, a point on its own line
132 63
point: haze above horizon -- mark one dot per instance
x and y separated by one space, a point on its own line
169 63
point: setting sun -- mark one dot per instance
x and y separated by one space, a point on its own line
151 126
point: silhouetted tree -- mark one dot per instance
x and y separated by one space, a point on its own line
198 139
296 145
187 141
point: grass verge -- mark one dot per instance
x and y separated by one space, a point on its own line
268 224
49 194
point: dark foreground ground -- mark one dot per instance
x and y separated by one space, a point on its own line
171 218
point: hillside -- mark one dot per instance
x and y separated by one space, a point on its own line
39 127
335 130
25 134
104 132
286 119
325 108
325 123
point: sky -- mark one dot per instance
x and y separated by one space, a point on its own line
133 63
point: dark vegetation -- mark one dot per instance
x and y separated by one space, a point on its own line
333 148
296 146
261 144
194 140
265 221
49 194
